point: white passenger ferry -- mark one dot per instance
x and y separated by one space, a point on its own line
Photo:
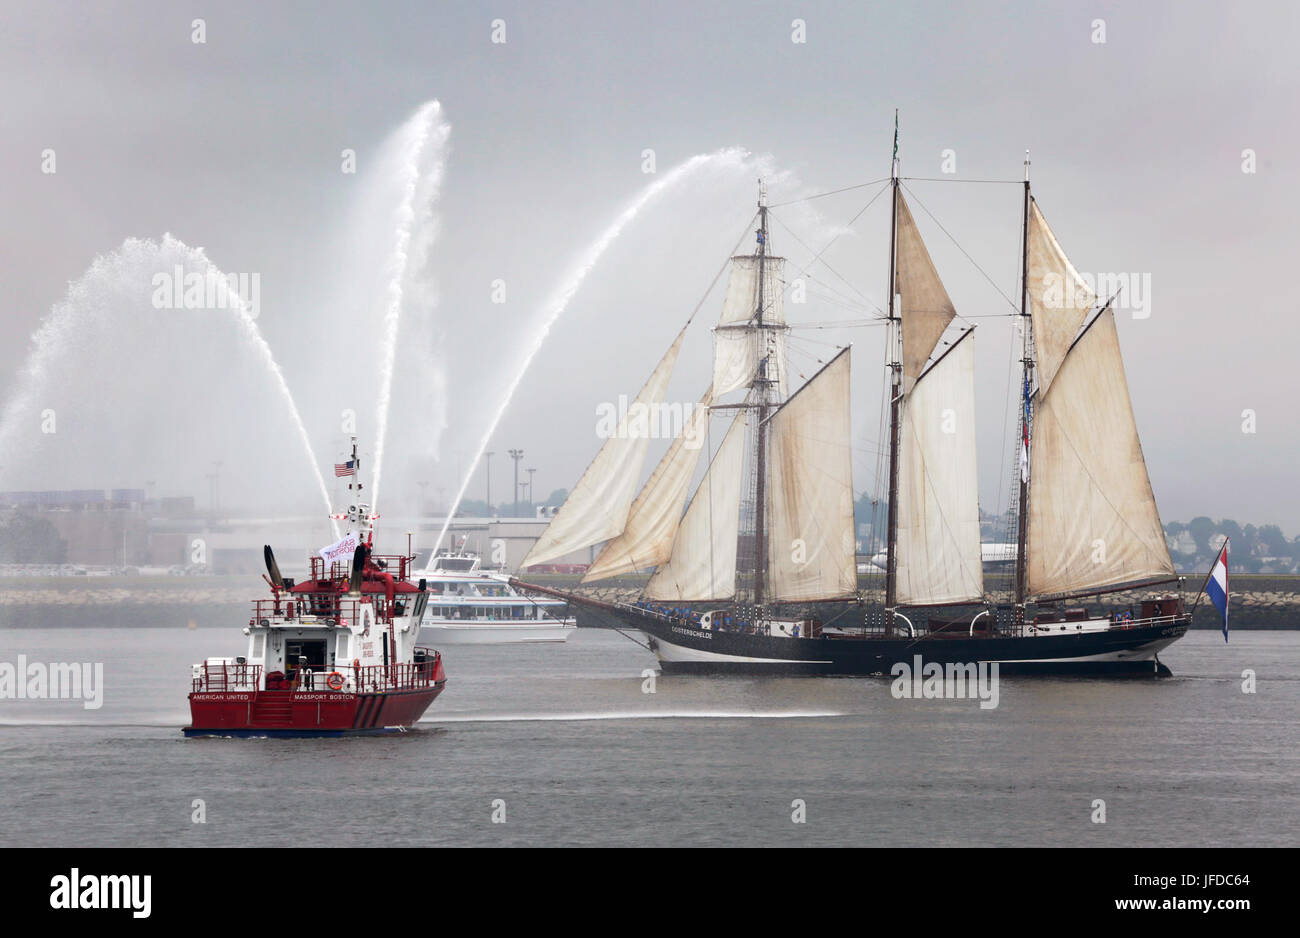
472 606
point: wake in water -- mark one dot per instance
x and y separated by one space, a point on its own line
636 715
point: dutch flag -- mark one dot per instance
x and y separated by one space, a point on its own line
1216 586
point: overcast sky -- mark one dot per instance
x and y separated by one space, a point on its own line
234 145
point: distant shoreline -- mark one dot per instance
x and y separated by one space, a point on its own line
1259 601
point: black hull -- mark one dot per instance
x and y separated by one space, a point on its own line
683 648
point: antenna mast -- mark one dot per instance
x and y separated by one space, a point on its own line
895 397
760 386
1026 404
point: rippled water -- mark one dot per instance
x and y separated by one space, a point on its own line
567 738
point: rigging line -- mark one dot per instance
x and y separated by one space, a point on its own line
822 195
842 324
1006 404
614 627
721 270
1009 182
832 294
848 305
818 257
1010 302
844 298
870 202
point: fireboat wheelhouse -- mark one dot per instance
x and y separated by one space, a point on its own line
335 655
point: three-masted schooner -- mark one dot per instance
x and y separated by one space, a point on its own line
758 571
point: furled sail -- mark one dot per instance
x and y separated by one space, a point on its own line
925 309
938 542
647 540
1093 522
738 346
702 565
1059 299
597 508
811 551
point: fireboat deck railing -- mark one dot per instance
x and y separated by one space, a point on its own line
396 564
326 609
366 679
227 676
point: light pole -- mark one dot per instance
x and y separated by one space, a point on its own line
516 455
532 493
487 472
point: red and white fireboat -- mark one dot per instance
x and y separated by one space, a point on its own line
335 655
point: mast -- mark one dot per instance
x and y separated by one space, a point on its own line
759 385
1026 420
895 396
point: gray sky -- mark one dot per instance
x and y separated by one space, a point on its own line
234 145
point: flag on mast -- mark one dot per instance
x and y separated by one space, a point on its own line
1216 586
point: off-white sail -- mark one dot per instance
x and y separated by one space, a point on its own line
703 561
1059 299
737 346
925 308
598 506
811 553
647 540
938 542
1092 515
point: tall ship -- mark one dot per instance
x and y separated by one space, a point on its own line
757 570
472 606
335 655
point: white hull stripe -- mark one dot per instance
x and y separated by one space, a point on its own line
667 651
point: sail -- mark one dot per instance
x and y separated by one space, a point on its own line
811 551
702 565
925 308
938 542
1093 522
738 347
647 539
1059 299
598 506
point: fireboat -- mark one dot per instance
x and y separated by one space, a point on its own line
335 655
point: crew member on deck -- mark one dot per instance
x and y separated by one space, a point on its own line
303 677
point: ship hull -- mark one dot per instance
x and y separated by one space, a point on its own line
494 633
307 713
685 649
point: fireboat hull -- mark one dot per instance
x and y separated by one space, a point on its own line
307 713
1118 651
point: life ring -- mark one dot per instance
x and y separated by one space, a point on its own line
334 681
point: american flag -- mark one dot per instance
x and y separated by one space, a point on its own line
348 468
